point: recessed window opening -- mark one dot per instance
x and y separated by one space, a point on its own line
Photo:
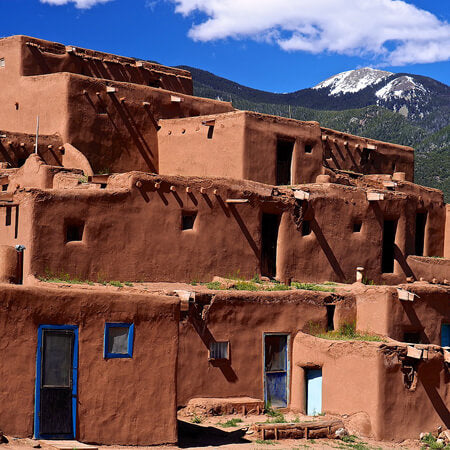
306 227
8 216
219 350
74 232
103 185
412 337
421 220
285 149
118 340
2 63
210 131
21 162
357 226
16 105
387 257
308 148
4 187
188 220
365 156
330 317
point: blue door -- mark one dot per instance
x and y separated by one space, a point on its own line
56 382
275 370
445 335
313 391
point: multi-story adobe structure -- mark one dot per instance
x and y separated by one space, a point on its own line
132 178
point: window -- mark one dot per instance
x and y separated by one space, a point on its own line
219 350
357 226
330 317
188 219
2 63
412 337
4 187
118 340
74 232
445 335
308 148
306 227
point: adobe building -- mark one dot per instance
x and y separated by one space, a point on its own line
132 195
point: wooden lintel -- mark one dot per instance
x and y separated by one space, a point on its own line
237 200
209 123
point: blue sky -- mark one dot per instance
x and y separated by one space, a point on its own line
294 45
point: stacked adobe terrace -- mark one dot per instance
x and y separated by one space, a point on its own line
134 179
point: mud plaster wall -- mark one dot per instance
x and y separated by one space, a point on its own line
388 410
447 232
334 250
404 413
348 370
44 57
68 104
380 311
241 319
120 401
138 236
261 134
340 152
189 148
151 245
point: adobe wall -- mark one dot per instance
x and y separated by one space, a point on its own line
116 132
191 147
120 401
364 381
350 379
344 151
435 270
380 311
447 232
154 205
242 318
40 57
260 158
334 250
239 145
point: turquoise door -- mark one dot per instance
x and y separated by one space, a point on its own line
445 335
313 391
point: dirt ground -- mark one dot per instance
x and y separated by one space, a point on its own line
213 432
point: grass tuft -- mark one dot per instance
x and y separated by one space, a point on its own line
230 423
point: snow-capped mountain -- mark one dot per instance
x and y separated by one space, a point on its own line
353 81
414 96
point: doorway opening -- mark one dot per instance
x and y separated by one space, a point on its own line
270 225
285 149
387 257
56 387
276 370
421 221
313 391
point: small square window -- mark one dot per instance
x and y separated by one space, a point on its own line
357 227
306 227
188 219
74 232
219 350
118 341
308 148
4 187
2 63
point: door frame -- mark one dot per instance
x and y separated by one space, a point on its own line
37 393
288 364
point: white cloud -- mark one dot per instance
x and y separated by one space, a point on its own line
392 31
81 4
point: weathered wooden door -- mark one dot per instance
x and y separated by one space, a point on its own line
276 370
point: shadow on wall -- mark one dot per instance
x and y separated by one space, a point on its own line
195 317
431 384
415 321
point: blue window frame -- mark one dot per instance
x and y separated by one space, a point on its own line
118 340
445 335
